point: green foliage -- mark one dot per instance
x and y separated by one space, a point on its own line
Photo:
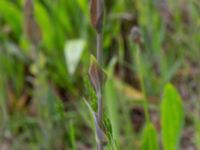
45 23
41 101
172 118
100 134
112 107
111 100
72 136
149 138
12 15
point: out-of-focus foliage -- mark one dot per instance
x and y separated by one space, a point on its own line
41 101
172 118
150 139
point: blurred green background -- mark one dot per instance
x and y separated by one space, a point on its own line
42 88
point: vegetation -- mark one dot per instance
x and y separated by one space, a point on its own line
123 74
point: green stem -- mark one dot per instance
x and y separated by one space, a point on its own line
99 47
140 73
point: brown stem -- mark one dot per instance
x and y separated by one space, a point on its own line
100 112
99 94
99 59
100 146
99 47
97 13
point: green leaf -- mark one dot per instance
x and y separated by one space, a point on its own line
83 6
149 141
172 118
72 135
44 21
112 104
12 15
100 135
112 107
73 52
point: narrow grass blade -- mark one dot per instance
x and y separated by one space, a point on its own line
101 136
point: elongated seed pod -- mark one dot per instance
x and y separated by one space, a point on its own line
97 75
32 30
97 13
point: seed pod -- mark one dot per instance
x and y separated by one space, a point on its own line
166 14
97 13
96 74
32 30
136 35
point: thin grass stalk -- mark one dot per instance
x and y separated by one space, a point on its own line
99 51
97 13
99 60
137 38
99 48
140 73
33 33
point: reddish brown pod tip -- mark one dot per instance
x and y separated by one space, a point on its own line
97 13
136 35
28 8
32 29
96 74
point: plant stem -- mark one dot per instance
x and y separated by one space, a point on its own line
99 51
100 109
100 146
99 59
99 94
99 47
97 21
140 73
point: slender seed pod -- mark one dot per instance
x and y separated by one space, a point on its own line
136 35
97 14
97 76
32 29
